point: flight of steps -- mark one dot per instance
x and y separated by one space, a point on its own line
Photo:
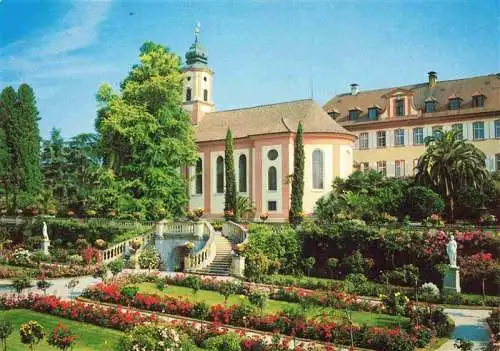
221 264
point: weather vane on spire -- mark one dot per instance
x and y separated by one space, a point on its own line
197 31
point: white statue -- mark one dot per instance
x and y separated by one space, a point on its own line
44 231
451 250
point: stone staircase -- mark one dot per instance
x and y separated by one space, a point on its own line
221 265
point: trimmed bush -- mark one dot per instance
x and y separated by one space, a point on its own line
420 202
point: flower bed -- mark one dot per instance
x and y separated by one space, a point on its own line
238 315
49 271
113 318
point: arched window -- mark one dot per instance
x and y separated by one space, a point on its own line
188 94
220 174
318 169
199 176
272 179
205 95
242 170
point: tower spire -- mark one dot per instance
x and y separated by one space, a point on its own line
197 32
196 56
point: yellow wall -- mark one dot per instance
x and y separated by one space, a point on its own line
490 146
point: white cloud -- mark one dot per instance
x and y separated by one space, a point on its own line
52 54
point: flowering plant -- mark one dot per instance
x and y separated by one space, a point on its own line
488 219
91 213
101 244
264 216
189 245
198 212
61 337
31 333
228 214
434 220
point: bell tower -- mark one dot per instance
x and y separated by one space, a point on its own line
198 78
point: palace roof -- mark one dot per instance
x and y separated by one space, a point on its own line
267 119
465 89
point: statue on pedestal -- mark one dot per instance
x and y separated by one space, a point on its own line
451 250
451 282
46 241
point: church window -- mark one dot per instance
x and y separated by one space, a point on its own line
220 174
272 154
199 176
318 169
272 206
272 179
205 95
242 170
188 94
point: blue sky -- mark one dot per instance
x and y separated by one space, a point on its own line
261 51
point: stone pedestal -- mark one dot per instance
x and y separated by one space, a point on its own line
198 229
238 266
160 228
451 281
45 246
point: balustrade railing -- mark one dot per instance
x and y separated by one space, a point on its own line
235 232
206 255
118 250
179 227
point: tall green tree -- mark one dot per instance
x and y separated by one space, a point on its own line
146 137
4 165
230 194
297 177
14 141
450 163
28 113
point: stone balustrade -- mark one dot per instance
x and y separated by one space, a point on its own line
118 250
235 232
206 255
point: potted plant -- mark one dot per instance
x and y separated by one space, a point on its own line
188 246
71 213
264 216
198 212
488 219
229 214
19 212
3 211
51 211
112 213
137 215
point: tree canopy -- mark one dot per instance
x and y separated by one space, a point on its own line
146 137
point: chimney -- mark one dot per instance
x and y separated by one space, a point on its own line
432 79
354 89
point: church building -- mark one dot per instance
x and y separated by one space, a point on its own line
263 147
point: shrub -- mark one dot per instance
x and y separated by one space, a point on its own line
75 259
149 258
31 333
201 311
153 338
227 289
91 255
21 257
39 256
429 291
194 283
420 202
258 299
101 244
5 331
225 342
21 283
61 337
43 285
116 266
356 263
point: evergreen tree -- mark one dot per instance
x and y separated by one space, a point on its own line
4 165
28 113
297 178
230 195
14 138
146 137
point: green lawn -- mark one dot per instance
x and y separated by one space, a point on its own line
89 337
212 298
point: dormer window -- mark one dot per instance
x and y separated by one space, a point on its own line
399 107
430 105
373 112
354 114
478 99
333 114
454 102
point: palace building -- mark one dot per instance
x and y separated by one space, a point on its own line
391 124
263 147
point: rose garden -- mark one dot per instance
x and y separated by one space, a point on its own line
99 250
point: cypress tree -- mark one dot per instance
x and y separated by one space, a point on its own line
297 178
230 195
28 114
14 136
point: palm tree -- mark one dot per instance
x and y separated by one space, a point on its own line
450 163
